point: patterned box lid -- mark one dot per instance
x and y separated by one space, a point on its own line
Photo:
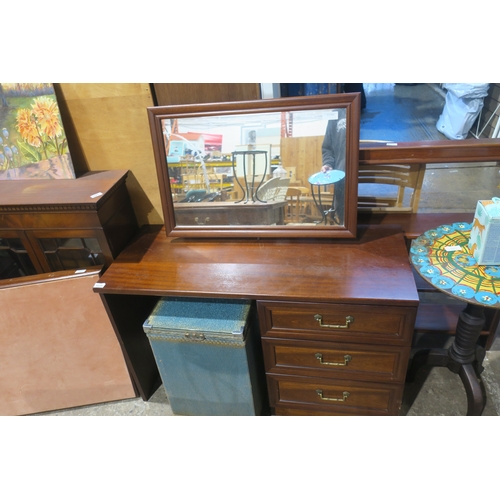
199 319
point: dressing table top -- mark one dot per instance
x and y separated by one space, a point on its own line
373 267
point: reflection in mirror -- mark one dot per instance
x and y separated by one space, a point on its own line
279 169
401 112
242 161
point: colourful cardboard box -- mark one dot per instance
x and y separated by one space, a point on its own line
484 241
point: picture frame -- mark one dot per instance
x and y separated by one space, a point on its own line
294 187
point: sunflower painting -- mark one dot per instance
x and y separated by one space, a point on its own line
32 140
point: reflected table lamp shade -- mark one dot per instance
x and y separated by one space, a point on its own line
207 356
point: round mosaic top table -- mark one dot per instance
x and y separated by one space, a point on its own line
442 257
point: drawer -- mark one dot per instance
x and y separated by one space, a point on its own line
355 323
342 396
308 411
336 360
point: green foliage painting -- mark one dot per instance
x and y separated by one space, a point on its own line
33 144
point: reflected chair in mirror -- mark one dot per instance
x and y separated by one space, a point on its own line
293 212
390 187
217 181
194 181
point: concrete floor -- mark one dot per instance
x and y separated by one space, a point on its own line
439 392
451 188
435 392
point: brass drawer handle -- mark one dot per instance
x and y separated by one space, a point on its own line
197 220
319 357
345 395
319 319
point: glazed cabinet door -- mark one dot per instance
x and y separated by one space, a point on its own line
17 257
69 249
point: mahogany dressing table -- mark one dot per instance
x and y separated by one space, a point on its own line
336 316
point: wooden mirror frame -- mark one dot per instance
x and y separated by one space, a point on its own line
349 102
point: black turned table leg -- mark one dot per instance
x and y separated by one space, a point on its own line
475 395
469 327
464 357
427 357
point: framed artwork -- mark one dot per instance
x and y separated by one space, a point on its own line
290 167
33 144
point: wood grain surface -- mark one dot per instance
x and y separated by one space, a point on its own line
371 268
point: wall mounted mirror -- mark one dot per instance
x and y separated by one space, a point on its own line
269 168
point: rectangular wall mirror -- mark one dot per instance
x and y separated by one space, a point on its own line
275 168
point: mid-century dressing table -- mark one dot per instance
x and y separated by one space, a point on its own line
336 316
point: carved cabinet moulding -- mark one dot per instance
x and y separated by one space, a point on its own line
46 208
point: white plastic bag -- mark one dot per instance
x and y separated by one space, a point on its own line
462 106
467 89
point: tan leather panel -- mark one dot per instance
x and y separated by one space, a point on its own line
58 348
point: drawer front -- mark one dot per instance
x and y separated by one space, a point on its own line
336 360
195 217
308 411
340 322
321 394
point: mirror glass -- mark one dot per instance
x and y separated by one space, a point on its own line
251 169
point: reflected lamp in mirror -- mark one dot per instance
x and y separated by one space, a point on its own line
224 169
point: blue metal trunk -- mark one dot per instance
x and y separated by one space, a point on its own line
205 352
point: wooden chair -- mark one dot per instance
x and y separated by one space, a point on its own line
293 208
392 187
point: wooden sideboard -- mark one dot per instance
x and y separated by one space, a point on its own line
217 213
55 225
365 286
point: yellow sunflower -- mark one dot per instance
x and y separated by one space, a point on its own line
47 115
27 127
